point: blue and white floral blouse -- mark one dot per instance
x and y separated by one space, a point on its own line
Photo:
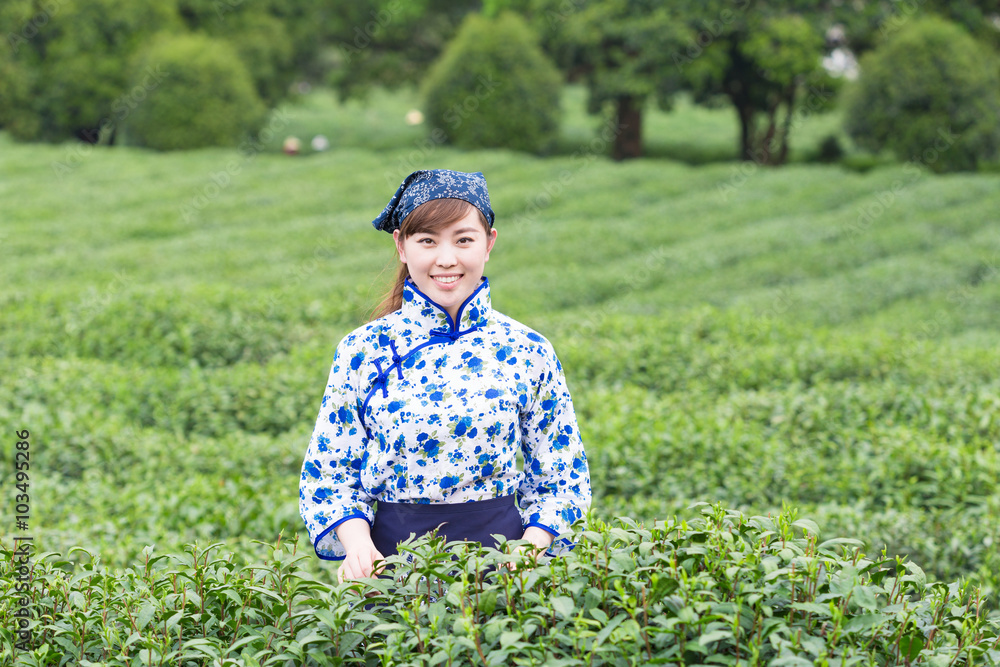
420 410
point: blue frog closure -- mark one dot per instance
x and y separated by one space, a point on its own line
421 408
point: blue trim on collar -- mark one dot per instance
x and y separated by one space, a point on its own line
452 324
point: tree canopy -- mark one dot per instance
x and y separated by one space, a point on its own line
68 66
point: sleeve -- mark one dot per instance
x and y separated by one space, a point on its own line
556 487
330 490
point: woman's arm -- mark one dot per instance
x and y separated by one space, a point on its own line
556 490
356 536
330 489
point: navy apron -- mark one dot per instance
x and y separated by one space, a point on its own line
474 521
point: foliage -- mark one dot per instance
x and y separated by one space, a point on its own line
622 50
741 589
867 25
207 97
816 339
388 43
494 88
278 41
930 94
765 57
71 70
66 71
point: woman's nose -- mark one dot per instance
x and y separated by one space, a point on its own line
445 256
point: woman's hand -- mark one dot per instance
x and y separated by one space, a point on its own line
541 539
355 535
359 564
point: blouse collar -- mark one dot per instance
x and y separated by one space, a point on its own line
420 309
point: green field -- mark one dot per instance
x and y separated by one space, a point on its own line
805 336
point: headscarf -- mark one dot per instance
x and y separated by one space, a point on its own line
424 185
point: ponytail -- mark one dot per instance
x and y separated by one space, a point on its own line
393 299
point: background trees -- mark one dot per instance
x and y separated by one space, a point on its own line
622 50
67 72
387 42
494 88
63 70
931 94
765 59
198 73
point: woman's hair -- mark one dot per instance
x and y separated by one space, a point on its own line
426 218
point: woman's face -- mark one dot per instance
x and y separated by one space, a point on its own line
447 265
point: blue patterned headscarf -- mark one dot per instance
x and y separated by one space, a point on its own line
422 186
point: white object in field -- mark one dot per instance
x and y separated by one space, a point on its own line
320 142
414 117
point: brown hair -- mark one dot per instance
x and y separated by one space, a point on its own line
426 218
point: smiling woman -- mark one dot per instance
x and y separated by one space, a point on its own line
429 403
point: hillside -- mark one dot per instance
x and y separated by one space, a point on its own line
804 336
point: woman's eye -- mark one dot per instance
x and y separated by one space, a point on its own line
465 239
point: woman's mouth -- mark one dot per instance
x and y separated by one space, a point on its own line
446 281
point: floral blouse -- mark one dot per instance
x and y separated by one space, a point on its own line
419 409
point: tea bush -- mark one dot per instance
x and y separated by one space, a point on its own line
760 351
724 588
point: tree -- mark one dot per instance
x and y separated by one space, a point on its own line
620 48
757 54
930 94
494 87
765 58
66 70
67 63
868 24
277 40
388 43
207 97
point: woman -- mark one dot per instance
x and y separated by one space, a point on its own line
428 404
